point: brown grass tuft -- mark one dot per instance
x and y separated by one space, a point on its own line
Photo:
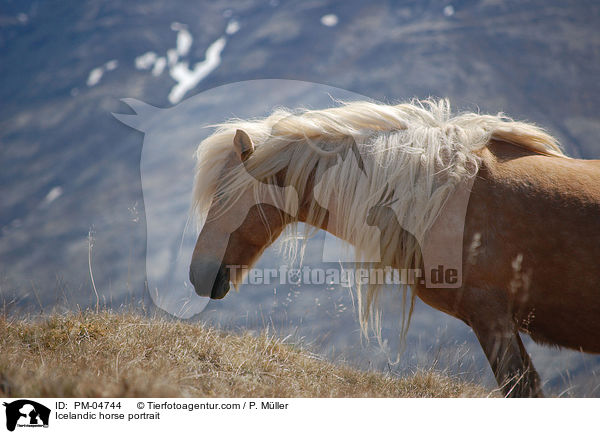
128 355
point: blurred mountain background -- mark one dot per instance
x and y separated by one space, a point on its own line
70 189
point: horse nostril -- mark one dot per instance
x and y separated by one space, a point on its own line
210 278
203 273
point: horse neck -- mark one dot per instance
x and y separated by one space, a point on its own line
307 203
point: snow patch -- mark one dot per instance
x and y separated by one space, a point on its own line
184 41
111 65
232 27
52 195
96 74
179 68
159 66
172 56
146 60
187 79
329 20
449 10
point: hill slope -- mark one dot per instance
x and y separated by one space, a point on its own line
96 355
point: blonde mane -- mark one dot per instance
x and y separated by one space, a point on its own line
419 150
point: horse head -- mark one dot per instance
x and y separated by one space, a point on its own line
245 216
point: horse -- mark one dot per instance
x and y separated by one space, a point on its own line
529 231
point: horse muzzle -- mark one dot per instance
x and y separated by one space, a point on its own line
210 279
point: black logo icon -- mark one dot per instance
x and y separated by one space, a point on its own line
26 413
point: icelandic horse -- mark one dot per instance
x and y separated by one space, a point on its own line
530 241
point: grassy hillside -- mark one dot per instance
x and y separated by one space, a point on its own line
102 355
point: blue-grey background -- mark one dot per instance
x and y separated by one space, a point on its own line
69 169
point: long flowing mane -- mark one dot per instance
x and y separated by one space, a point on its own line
418 149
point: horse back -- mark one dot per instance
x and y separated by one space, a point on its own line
531 248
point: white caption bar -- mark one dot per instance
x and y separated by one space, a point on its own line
160 415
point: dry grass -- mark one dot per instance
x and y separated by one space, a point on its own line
128 355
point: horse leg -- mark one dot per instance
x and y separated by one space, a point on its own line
489 315
510 362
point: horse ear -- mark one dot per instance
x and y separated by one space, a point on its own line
243 145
